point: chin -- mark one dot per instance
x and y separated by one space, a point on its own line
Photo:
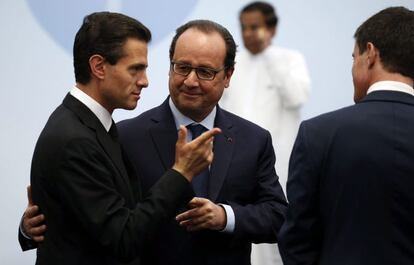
250 49
130 106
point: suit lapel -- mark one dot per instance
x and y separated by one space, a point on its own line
164 134
111 147
113 150
223 152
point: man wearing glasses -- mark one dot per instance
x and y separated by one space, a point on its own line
238 200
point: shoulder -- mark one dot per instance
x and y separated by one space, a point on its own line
66 135
139 121
337 122
242 56
284 53
243 126
65 125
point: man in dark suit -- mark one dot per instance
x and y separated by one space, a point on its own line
238 199
351 174
80 178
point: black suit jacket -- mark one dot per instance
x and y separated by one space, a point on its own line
351 186
242 175
89 196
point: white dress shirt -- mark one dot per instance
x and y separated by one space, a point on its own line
391 86
100 112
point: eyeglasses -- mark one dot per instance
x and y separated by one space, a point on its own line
203 73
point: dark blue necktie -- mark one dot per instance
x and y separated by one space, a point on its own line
200 182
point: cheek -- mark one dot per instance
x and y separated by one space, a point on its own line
356 71
172 84
213 92
354 75
173 88
353 69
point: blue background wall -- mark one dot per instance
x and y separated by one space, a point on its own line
36 69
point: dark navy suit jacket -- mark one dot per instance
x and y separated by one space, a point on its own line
242 175
351 186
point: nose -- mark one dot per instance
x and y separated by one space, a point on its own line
191 80
143 81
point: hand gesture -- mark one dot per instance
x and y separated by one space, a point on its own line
193 157
203 214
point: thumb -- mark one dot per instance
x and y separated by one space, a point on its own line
29 195
182 136
196 202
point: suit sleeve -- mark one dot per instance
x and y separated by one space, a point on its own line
299 237
25 243
260 220
87 188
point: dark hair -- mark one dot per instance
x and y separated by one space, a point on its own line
208 26
267 11
104 33
392 33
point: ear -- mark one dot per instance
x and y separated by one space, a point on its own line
97 66
227 77
372 54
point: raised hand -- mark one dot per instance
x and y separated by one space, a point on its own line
192 157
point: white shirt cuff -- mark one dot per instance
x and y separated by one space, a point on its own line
231 220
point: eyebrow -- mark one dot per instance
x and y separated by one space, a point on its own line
138 66
198 66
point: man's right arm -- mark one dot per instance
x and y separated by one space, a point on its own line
191 158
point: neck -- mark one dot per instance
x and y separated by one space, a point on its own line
196 116
387 76
92 90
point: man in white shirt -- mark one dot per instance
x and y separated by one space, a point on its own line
269 86
351 174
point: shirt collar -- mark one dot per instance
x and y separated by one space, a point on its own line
391 86
100 112
181 119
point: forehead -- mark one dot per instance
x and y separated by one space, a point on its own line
252 17
134 49
200 49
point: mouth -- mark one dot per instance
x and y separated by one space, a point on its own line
191 94
137 95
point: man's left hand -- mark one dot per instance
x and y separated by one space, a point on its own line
203 214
